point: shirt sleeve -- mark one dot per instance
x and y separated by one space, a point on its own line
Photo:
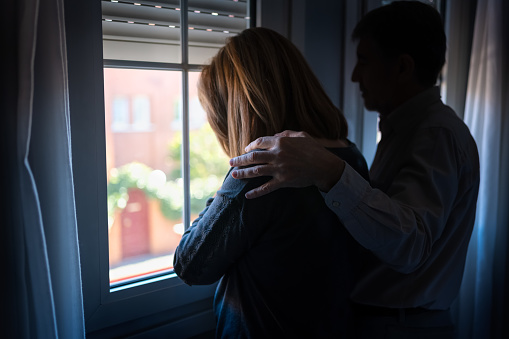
401 225
217 238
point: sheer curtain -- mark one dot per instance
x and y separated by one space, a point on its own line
481 305
41 282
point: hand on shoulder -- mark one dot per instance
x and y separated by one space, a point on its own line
292 159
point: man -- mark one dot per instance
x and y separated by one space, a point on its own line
417 214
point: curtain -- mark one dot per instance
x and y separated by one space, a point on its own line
481 304
41 281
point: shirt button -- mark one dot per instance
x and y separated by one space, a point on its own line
336 203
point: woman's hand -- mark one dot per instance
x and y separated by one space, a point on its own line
292 159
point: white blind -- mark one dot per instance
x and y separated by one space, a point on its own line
150 30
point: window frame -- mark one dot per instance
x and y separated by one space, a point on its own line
135 307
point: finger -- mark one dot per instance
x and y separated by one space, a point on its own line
285 133
264 189
289 133
251 172
251 158
261 143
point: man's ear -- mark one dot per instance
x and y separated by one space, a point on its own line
406 68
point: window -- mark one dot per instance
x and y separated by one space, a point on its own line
148 160
122 120
141 112
158 181
120 114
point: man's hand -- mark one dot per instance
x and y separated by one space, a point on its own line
292 159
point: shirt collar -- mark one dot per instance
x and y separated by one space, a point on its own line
410 113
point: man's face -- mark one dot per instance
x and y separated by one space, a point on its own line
376 77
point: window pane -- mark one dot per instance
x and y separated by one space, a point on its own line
208 162
145 191
141 30
210 23
141 112
144 136
120 113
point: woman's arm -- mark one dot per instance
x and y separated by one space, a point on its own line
218 237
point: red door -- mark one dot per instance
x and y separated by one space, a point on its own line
135 228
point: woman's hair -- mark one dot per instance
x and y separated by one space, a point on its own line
259 84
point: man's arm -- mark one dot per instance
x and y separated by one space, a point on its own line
424 210
292 159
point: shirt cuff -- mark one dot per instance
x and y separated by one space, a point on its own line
346 194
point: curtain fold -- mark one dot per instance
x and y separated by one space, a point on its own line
39 232
485 114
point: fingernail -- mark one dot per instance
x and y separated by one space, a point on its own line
234 174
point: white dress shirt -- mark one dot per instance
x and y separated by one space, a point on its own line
417 214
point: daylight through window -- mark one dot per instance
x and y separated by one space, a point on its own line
163 160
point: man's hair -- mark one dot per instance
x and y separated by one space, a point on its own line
408 27
260 84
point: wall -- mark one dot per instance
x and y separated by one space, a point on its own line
321 30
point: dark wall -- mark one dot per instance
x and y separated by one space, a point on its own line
316 28
324 45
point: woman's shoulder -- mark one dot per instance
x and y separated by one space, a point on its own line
353 157
233 188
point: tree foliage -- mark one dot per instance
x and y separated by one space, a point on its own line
208 166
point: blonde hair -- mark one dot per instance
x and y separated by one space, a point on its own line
260 84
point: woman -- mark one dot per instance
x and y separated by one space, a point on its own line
285 262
